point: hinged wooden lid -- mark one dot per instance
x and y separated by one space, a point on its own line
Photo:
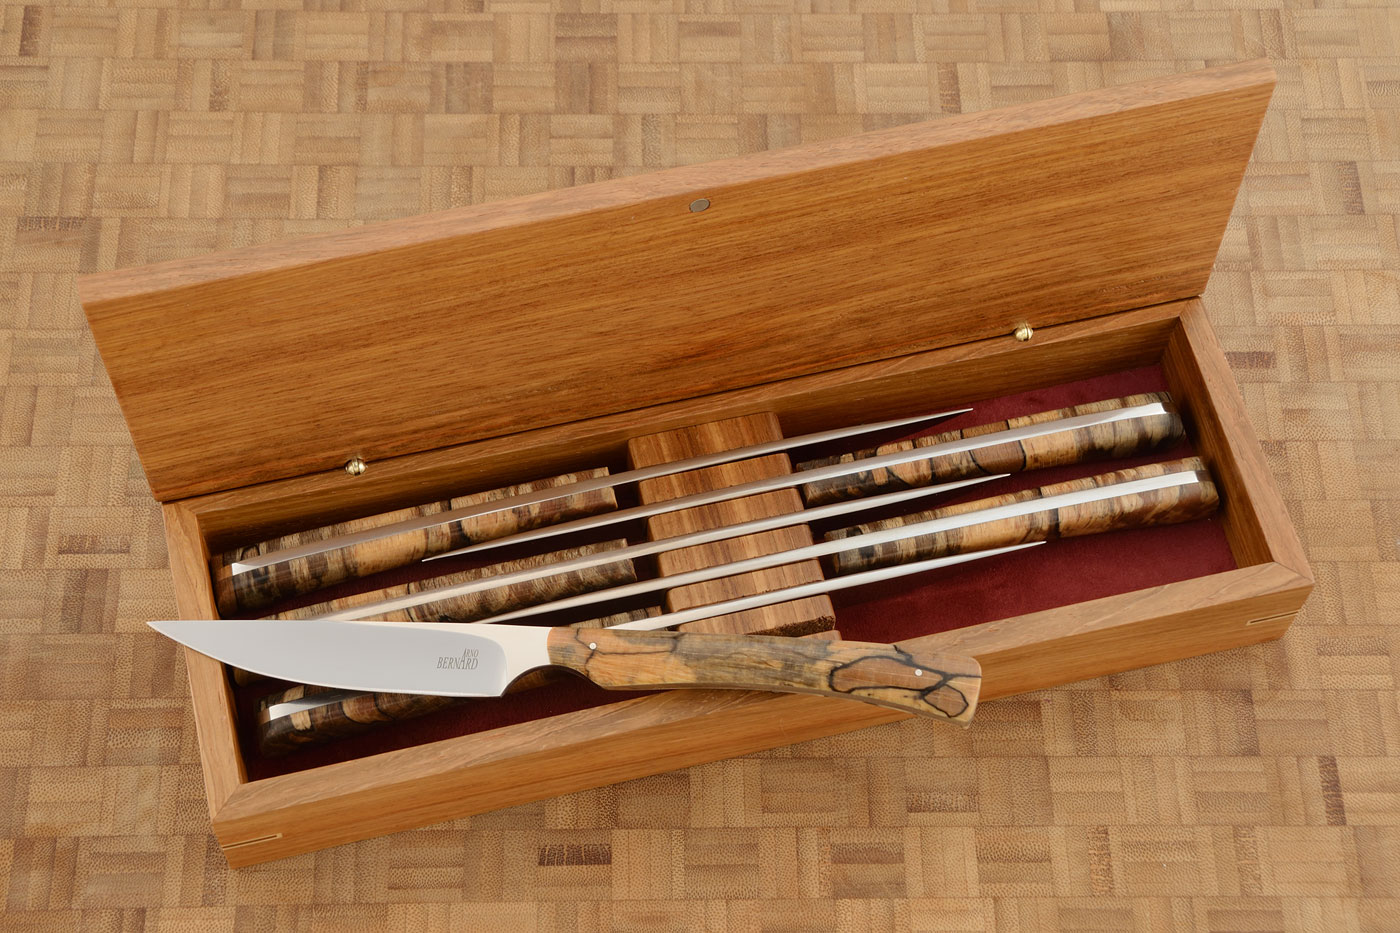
290 358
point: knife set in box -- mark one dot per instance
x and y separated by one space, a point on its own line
1034 261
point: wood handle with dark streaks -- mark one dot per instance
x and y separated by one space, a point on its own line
1194 500
246 593
309 715
1133 437
939 686
484 603
301 716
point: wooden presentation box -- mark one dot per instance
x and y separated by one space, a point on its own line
843 281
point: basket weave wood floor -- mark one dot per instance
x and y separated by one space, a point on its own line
1252 791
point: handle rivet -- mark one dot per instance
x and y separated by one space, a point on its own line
356 466
1023 332
699 204
592 646
918 673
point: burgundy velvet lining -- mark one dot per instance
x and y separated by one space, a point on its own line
1055 574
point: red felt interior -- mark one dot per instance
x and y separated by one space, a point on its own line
1056 574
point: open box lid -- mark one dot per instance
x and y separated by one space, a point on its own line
290 358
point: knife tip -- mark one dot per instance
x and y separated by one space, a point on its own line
174 629
163 626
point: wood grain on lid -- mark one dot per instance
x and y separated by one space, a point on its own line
285 359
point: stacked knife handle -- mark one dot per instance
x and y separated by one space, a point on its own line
240 593
715 577
1146 433
1193 496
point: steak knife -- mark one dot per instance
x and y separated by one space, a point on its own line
480 660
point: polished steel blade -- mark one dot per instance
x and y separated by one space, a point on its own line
646 548
833 471
815 588
573 489
856 542
443 659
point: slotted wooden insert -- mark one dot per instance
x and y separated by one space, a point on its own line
800 617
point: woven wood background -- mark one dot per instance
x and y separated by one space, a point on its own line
1257 790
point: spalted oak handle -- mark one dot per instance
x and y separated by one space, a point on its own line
243 594
939 686
1138 436
1193 500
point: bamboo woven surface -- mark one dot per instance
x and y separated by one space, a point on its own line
1257 790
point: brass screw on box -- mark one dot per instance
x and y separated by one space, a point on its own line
356 466
1023 332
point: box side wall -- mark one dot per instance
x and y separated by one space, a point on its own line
1256 521
211 697
302 812
1180 620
